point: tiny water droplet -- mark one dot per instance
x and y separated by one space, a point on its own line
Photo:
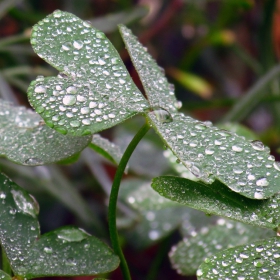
40 89
72 234
162 115
48 250
100 35
237 148
33 161
78 44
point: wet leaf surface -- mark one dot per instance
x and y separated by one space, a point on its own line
188 254
94 90
26 140
258 260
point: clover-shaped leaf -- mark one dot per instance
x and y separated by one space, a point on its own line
159 92
258 260
26 140
94 90
208 152
65 251
188 254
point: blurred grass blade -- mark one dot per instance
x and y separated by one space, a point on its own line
5 5
191 82
110 22
252 98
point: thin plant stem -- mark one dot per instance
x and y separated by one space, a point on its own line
5 263
112 216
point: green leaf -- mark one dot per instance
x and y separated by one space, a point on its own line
4 276
159 92
211 153
239 129
26 140
69 251
219 200
94 90
187 255
106 148
140 196
178 166
258 260
155 225
19 227
65 251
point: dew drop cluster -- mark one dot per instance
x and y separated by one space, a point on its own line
159 92
259 260
211 153
26 140
94 90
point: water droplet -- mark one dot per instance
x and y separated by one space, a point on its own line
258 263
48 250
75 123
69 100
78 44
209 151
33 161
100 35
162 115
66 46
2 195
178 104
276 165
258 195
26 203
237 148
72 234
111 116
153 234
199 272
71 90
257 145
40 89
262 182
57 13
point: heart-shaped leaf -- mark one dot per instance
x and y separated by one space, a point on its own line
219 200
210 153
25 139
159 92
187 255
65 251
69 251
94 90
258 260
106 148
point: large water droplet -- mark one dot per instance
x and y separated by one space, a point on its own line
26 203
262 182
72 234
78 44
69 100
162 115
257 145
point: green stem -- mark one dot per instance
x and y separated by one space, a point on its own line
114 197
5 263
252 97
